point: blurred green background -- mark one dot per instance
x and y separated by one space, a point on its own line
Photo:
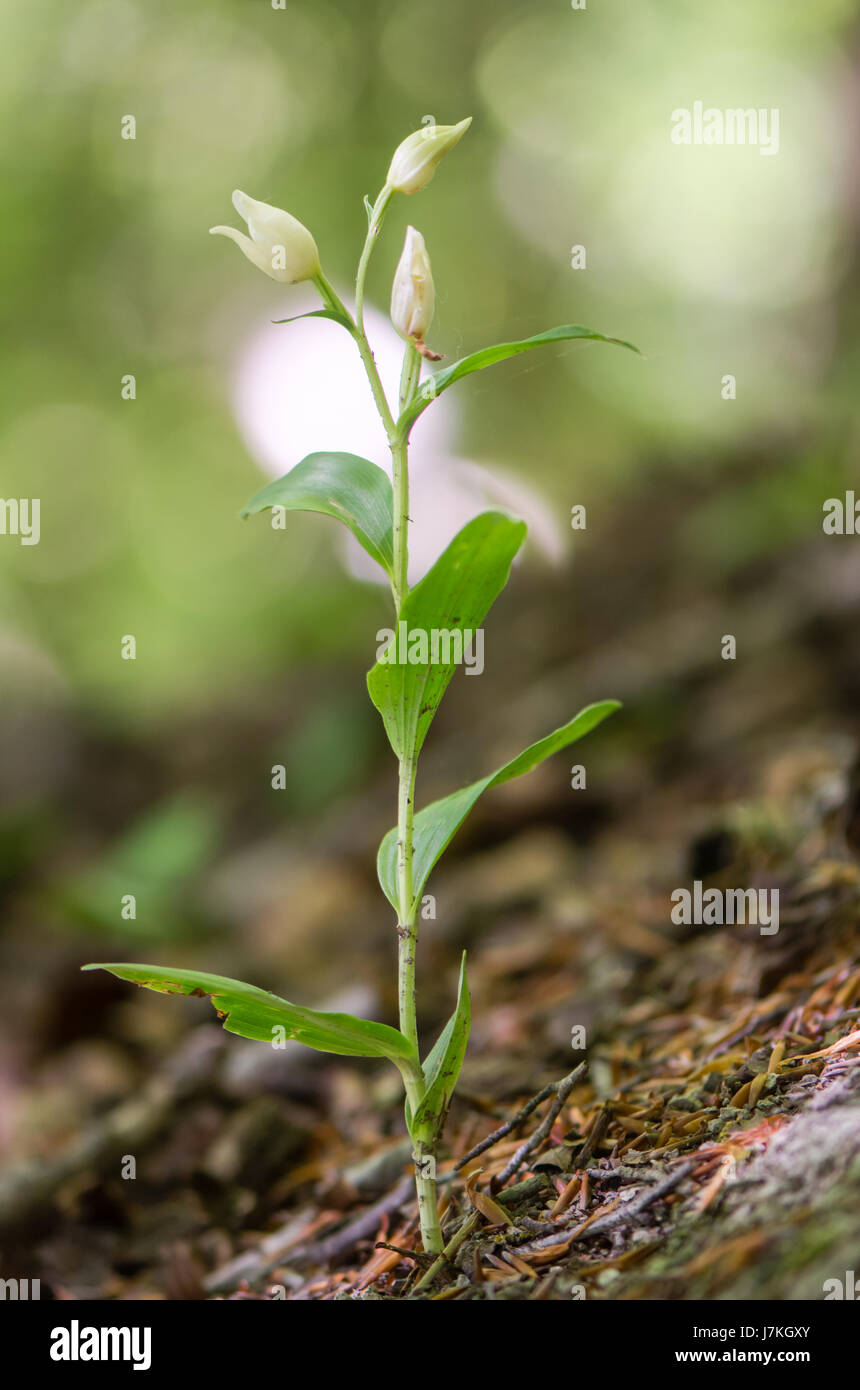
147 776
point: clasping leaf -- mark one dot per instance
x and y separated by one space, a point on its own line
499 352
345 486
442 1068
254 1013
437 824
453 598
332 314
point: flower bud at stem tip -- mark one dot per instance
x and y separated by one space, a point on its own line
413 295
415 159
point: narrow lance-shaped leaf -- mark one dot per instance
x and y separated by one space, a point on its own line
443 1063
332 314
254 1013
451 600
499 352
345 486
437 824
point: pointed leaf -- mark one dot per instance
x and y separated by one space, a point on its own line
437 824
499 352
319 314
254 1013
443 1063
455 596
344 486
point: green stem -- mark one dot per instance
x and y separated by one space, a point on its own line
407 930
375 222
356 329
359 334
406 927
376 386
400 472
428 1201
424 1156
424 1159
409 375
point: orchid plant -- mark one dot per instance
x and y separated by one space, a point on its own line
411 675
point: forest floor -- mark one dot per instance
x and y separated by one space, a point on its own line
649 1110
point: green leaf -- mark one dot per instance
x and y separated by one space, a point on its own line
437 824
254 1013
499 352
443 1063
344 486
319 314
454 596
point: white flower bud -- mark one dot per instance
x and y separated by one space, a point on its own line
415 160
279 245
413 295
